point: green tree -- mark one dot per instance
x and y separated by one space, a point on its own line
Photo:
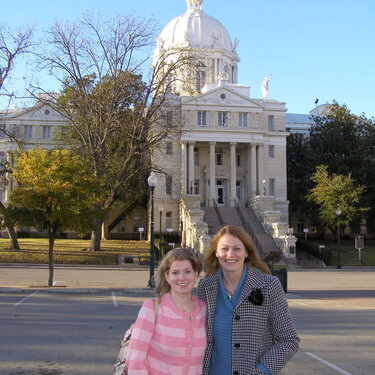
299 170
53 190
117 114
332 191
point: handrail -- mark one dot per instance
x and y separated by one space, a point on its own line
221 221
249 230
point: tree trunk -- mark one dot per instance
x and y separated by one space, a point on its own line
51 242
13 244
95 238
105 234
13 241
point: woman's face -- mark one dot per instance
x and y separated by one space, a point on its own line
231 253
181 277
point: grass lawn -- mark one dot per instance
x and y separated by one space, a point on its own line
348 253
35 250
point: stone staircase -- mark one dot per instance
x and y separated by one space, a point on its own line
243 217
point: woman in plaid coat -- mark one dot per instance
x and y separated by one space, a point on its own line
250 330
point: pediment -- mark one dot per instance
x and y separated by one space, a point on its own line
223 96
40 111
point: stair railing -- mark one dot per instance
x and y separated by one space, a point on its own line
249 230
221 221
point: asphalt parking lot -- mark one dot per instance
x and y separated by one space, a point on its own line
77 330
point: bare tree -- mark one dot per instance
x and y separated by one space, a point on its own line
118 107
13 44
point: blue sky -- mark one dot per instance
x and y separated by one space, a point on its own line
314 49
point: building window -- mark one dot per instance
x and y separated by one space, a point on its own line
169 148
271 122
271 186
238 191
168 185
222 118
200 79
238 160
168 220
28 131
2 131
196 156
271 151
242 120
196 187
202 115
219 159
46 132
169 118
121 227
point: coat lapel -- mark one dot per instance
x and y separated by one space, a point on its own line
254 280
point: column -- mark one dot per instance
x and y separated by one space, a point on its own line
212 194
252 170
260 158
191 167
183 168
233 174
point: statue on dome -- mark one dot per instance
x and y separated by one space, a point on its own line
194 4
265 87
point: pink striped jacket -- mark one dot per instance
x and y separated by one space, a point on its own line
176 346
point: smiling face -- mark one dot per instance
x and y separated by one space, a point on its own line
231 253
181 277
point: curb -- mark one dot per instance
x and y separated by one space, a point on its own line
57 290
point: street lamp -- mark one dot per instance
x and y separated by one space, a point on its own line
338 213
160 208
152 180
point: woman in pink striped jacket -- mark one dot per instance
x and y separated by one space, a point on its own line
176 342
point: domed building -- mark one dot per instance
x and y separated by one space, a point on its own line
228 165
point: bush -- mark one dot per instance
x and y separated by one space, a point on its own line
313 249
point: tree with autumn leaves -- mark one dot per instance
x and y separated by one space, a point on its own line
52 189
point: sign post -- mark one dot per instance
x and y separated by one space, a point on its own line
306 230
359 245
140 230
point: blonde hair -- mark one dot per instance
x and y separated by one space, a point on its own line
162 285
253 258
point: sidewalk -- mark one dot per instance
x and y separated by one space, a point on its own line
75 278
133 279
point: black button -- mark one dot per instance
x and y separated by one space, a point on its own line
235 373
237 345
237 317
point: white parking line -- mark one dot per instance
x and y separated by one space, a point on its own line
25 298
300 303
114 300
338 369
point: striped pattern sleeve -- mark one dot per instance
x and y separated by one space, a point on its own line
140 339
175 346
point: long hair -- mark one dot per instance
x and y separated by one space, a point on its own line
162 285
253 258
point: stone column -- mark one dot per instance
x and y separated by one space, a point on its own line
212 193
183 168
233 174
191 166
252 173
260 156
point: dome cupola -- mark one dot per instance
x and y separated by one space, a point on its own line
204 36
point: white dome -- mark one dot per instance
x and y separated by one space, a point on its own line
197 30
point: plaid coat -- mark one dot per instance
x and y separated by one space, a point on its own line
260 333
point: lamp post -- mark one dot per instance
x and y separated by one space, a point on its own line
160 208
338 213
152 180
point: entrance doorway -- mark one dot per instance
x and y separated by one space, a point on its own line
221 192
